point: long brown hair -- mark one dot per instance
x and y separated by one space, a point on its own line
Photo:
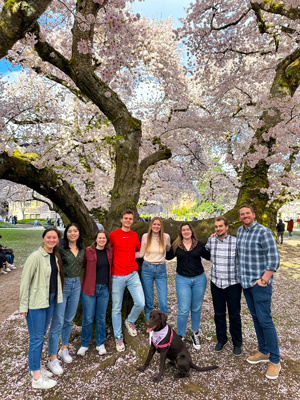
179 238
161 236
57 254
107 245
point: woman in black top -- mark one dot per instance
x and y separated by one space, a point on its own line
190 279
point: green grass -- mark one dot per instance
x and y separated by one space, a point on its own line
22 241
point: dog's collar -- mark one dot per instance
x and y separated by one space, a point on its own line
161 346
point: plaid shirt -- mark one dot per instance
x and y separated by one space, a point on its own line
257 252
223 271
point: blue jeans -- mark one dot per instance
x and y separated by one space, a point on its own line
155 273
64 314
37 323
10 258
94 306
259 303
190 293
290 234
133 284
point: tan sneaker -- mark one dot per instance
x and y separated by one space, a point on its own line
273 370
258 357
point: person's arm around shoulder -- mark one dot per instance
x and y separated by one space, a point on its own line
170 254
141 252
138 243
208 244
204 252
167 241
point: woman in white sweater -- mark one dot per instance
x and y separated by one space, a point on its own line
154 245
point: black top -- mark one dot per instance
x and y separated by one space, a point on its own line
102 268
280 227
189 261
53 277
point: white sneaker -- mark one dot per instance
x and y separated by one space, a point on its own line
55 367
3 272
81 352
6 269
11 266
43 382
101 349
45 372
65 356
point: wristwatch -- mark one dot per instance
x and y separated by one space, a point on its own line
263 281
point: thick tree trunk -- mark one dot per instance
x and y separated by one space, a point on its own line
50 185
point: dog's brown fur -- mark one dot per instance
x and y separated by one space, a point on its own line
176 352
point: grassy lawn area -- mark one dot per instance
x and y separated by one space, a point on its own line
22 241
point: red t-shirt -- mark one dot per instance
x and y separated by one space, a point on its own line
124 244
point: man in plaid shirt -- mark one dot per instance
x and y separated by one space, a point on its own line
258 259
225 287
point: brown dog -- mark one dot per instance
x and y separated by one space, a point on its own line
171 347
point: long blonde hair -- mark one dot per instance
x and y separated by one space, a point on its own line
161 236
179 238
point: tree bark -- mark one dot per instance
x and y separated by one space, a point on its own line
50 185
16 19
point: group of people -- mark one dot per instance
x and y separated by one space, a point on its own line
50 286
6 259
280 228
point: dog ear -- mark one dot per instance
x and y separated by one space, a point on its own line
163 318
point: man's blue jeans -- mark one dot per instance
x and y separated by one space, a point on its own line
190 293
155 273
64 314
133 284
94 307
259 303
37 323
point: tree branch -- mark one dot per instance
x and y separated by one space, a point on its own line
16 20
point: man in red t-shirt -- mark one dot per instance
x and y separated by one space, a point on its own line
125 274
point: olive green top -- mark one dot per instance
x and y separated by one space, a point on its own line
72 265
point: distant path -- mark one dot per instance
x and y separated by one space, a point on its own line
10 289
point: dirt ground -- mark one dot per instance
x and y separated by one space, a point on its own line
114 376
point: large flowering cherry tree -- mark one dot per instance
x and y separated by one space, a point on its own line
245 60
93 55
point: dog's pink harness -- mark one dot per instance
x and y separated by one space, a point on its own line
161 336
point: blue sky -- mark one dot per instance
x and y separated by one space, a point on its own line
159 9
162 8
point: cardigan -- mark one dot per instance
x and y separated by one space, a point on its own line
189 261
89 264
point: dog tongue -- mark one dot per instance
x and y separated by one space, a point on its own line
149 330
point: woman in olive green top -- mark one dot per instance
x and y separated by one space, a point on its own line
72 253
